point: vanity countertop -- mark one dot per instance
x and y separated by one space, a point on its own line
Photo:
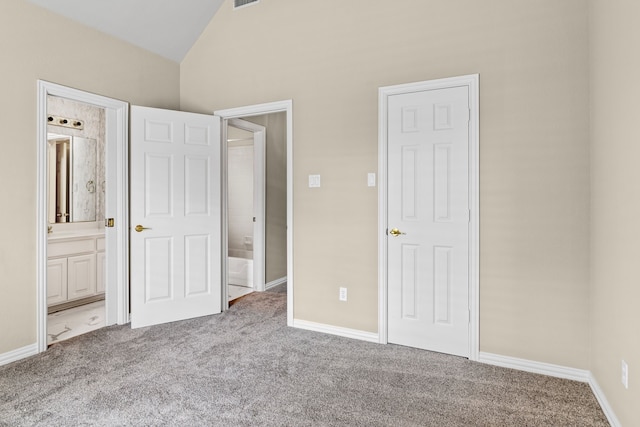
76 234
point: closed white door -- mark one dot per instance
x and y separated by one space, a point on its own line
175 216
428 220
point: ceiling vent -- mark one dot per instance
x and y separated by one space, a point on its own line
242 3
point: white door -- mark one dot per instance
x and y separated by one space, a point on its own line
175 216
428 220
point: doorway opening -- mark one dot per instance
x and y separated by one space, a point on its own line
82 180
246 178
275 266
75 211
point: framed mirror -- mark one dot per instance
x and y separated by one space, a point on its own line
72 179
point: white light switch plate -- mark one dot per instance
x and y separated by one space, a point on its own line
371 179
314 181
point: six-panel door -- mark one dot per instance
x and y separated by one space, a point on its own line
428 201
175 201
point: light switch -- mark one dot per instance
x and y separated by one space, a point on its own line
371 179
314 181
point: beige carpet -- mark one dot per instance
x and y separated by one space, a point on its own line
246 368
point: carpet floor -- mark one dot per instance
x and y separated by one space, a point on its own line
247 368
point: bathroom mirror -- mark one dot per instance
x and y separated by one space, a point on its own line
72 179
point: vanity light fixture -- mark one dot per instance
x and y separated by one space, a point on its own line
65 122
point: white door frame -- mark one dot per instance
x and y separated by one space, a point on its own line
257 110
259 202
472 82
117 203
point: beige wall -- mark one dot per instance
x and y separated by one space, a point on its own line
37 44
330 57
276 189
615 205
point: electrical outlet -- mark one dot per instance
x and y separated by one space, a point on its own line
343 294
625 374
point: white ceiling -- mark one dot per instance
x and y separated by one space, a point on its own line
166 27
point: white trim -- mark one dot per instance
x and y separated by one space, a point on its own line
336 330
117 131
274 283
472 82
549 369
604 403
259 199
276 107
19 353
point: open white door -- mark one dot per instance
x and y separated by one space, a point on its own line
175 216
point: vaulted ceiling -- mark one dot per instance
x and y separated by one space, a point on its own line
166 27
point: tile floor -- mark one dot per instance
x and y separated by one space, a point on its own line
236 291
75 321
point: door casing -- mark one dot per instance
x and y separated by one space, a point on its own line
472 82
117 206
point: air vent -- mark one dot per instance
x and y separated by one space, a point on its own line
242 3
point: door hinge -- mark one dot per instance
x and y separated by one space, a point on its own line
469 316
109 222
469 213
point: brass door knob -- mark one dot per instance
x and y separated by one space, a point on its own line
139 228
395 232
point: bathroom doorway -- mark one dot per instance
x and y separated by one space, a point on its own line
82 212
76 183
276 121
245 148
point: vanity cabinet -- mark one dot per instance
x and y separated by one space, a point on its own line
81 276
75 269
56 281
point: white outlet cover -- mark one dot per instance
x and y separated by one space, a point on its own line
343 294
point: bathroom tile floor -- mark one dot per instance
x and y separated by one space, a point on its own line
75 321
236 291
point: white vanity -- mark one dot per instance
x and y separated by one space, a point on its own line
75 267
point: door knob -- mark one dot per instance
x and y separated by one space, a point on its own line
395 232
139 228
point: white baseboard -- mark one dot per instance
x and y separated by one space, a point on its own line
276 282
17 354
336 330
574 374
604 403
